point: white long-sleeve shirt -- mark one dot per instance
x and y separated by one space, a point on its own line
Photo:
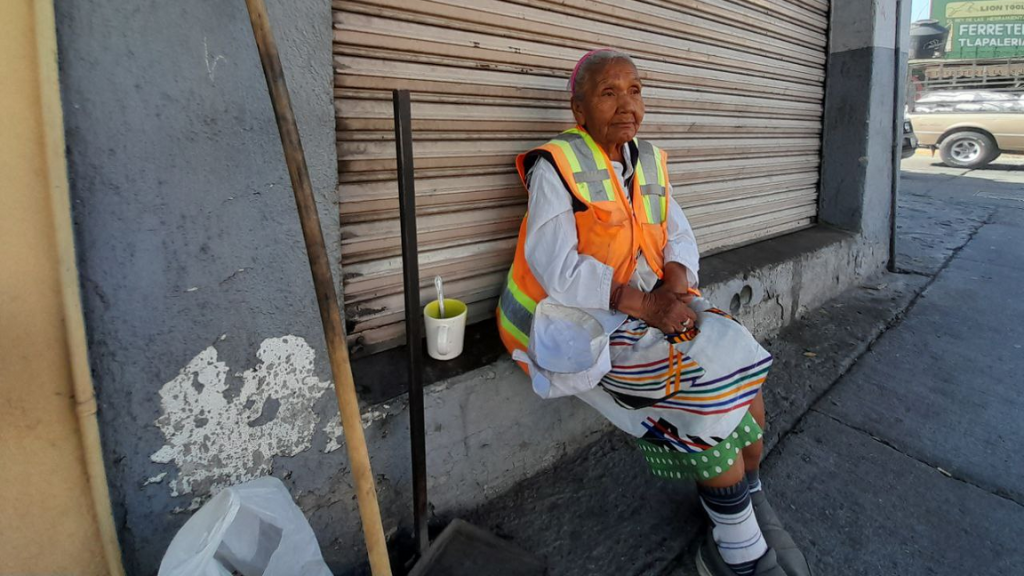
573 279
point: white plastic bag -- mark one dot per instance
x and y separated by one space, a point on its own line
254 529
568 351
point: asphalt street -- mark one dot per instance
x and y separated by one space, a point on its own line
909 464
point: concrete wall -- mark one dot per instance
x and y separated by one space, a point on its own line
204 335
190 250
48 522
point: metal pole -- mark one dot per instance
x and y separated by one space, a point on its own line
323 283
413 329
898 90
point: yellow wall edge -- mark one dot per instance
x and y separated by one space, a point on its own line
53 487
74 321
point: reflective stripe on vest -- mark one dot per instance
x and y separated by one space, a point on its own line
654 190
593 179
588 166
516 311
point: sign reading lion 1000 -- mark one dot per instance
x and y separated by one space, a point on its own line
982 29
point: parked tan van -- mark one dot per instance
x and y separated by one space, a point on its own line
970 128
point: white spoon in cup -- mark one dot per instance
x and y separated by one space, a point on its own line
440 296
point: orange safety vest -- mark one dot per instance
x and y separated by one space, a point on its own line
609 226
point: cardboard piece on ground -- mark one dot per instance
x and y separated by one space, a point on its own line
465 550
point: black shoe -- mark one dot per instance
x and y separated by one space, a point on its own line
789 555
710 563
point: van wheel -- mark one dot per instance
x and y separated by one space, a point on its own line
968 150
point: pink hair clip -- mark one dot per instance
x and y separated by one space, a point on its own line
575 71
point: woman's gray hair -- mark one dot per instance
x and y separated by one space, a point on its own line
590 64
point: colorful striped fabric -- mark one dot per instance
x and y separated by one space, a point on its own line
628 337
721 395
657 379
675 381
682 396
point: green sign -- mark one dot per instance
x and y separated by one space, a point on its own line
982 29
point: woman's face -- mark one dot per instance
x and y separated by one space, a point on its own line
612 108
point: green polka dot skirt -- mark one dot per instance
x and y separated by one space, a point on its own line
667 462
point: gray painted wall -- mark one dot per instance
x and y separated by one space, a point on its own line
184 218
204 336
857 165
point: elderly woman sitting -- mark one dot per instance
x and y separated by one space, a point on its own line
605 238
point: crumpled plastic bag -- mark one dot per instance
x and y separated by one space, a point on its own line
253 529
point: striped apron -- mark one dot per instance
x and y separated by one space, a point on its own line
684 396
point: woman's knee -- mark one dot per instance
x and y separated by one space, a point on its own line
757 409
752 455
730 476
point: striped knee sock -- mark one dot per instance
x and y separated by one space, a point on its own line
754 481
736 532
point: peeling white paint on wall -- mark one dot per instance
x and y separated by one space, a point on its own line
216 442
336 433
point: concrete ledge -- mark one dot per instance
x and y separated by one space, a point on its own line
727 265
379 382
775 282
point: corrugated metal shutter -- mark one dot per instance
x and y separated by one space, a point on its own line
733 88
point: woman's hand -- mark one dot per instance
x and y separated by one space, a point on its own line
668 311
663 309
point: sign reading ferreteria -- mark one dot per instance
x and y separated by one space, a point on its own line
982 29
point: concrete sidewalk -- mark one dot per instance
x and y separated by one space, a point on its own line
908 466
864 408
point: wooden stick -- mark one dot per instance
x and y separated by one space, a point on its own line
344 386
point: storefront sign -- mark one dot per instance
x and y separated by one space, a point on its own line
982 29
